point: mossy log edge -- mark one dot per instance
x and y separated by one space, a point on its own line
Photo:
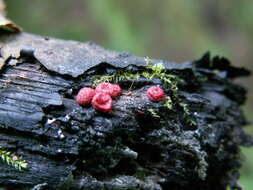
139 145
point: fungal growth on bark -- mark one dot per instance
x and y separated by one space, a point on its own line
155 93
84 96
78 116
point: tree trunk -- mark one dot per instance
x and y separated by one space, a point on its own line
190 140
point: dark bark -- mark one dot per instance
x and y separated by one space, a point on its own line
70 147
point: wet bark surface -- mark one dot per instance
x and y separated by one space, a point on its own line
68 146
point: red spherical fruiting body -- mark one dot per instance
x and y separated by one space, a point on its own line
102 102
155 93
85 96
116 91
113 90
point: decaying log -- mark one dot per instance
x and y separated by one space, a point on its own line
193 143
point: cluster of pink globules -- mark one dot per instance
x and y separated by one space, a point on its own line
101 97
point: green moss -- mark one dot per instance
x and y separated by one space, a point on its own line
12 160
153 113
115 77
168 103
188 118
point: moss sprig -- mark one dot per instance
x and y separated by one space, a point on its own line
12 160
153 113
187 116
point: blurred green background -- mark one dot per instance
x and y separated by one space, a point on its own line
177 30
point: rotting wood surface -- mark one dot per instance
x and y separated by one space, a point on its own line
70 147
